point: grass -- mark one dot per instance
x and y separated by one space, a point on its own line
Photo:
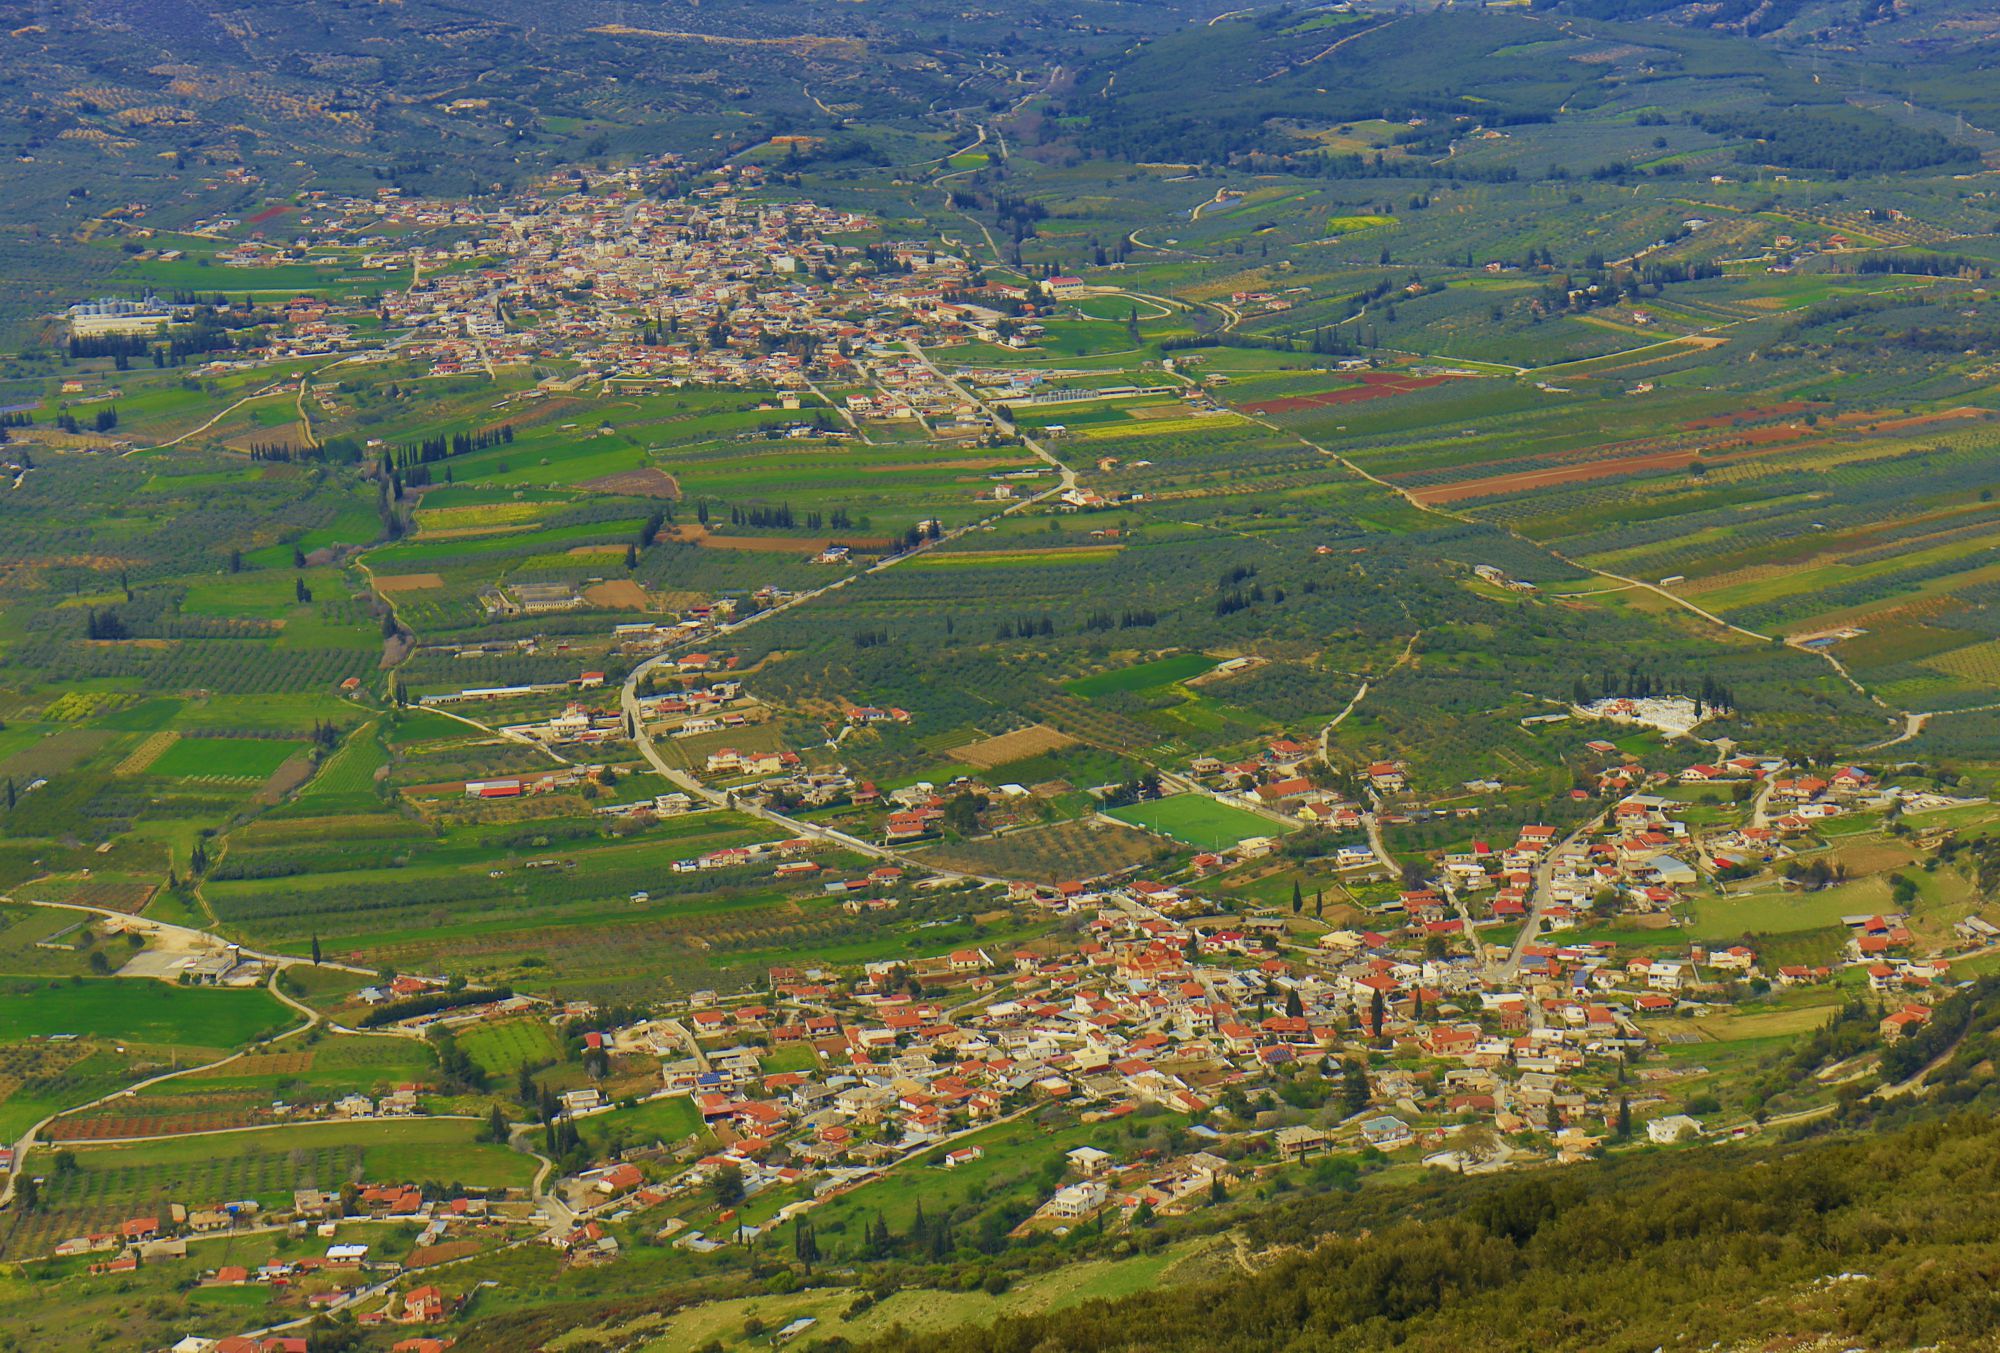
141 1011
504 1048
1144 676
346 781
1786 1023
1776 913
926 1312
224 758
666 1120
1199 821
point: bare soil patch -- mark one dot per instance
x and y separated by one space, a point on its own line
620 594
647 482
700 535
1723 420
408 582
1018 745
1374 385
295 772
1527 481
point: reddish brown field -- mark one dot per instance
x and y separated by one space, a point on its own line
1525 481
1374 385
127 896
112 1127
440 1254
699 535
1913 421
408 582
1015 746
1724 420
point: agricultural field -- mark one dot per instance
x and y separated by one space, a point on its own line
145 1012
698 601
111 1183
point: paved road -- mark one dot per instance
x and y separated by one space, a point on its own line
1544 879
628 696
1373 822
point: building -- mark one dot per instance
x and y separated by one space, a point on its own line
1295 1143
1671 1128
1077 1200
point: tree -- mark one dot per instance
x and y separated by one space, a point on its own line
315 949
961 814
1294 1007
496 1126
1378 1009
728 1186
1298 898
1624 1125
28 1194
1354 1090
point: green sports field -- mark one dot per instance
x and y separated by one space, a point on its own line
142 1011
1199 821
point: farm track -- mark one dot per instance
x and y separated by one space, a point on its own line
304 379
31 1139
1414 500
1326 733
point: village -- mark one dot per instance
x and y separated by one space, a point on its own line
646 278
1459 1029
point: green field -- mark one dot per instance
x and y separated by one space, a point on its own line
1200 821
141 1010
1432 370
1143 676
195 758
502 1049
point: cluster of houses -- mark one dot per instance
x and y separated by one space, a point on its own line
163 1234
717 285
1282 778
576 723
1158 1001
